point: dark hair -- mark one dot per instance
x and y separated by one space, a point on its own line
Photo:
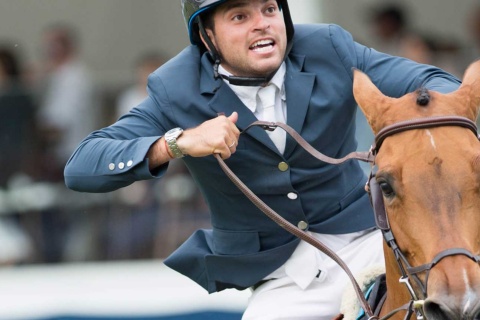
207 19
9 62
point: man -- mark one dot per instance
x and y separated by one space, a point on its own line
239 49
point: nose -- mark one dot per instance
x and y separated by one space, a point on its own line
441 310
261 22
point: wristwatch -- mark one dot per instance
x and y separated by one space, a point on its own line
171 139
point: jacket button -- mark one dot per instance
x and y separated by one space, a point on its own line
129 163
292 196
111 166
121 165
283 166
302 225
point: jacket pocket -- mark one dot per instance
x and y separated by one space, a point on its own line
228 242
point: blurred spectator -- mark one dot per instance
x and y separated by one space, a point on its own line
68 111
394 35
17 145
68 103
17 116
132 96
389 26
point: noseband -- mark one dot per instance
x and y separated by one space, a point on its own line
375 197
381 217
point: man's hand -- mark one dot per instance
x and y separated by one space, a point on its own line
219 135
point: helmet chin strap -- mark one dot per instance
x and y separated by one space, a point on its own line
234 80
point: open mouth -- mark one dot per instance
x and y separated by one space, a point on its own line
262 45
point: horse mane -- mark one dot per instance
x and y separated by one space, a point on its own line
423 97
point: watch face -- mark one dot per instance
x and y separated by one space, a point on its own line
174 133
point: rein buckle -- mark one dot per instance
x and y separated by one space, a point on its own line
269 127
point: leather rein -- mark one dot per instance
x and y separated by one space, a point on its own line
375 197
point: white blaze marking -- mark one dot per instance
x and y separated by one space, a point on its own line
469 293
432 140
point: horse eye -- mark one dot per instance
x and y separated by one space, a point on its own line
387 189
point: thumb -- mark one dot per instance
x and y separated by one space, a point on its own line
233 117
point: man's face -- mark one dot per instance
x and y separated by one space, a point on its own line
250 36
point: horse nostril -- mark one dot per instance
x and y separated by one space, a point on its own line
476 314
438 311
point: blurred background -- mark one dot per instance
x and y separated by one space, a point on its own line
70 67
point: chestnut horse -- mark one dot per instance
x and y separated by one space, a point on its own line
428 175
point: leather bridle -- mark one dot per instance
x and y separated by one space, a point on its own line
376 198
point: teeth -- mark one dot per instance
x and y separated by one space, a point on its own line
261 43
261 49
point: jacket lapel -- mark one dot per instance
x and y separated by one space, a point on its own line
226 101
298 88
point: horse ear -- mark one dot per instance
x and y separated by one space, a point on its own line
471 87
371 101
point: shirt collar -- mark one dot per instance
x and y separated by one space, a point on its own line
248 95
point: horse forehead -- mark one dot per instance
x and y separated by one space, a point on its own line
407 108
445 150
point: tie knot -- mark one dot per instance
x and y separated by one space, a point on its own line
267 95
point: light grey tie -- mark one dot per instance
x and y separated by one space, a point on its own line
267 97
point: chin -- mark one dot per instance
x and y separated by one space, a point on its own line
267 69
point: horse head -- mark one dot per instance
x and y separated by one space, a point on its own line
430 184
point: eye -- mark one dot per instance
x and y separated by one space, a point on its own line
386 188
238 17
271 9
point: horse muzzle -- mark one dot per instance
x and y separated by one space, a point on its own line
454 290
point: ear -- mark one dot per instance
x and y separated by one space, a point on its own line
466 100
210 35
471 81
371 101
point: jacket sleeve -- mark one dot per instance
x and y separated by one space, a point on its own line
115 156
394 76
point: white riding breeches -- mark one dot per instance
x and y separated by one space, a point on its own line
286 297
